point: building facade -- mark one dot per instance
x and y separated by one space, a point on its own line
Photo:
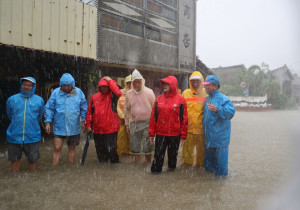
155 36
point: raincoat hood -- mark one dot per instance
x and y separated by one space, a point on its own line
172 82
67 79
127 79
103 82
136 75
32 91
196 75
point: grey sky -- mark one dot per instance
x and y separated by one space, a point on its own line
231 32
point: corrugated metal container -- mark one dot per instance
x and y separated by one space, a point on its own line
61 26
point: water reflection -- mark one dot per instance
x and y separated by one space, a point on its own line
258 165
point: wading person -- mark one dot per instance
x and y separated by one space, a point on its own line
138 105
218 111
123 137
25 111
102 119
66 108
194 97
168 124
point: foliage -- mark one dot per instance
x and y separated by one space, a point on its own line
92 78
284 102
231 90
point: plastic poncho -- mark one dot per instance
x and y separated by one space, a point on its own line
66 109
169 113
25 111
121 101
138 105
217 126
195 105
102 113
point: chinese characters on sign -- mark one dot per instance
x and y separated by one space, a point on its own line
186 40
187 11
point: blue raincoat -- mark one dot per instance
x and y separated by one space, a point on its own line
65 109
25 111
217 126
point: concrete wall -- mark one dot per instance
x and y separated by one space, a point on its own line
250 103
187 34
118 47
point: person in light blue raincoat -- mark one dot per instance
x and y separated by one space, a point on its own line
66 108
25 111
218 111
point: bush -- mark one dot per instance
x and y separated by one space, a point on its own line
284 102
231 90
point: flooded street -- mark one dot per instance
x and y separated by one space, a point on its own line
260 154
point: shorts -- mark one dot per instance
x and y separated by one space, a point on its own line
31 151
72 140
139 137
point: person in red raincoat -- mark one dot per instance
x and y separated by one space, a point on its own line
102 118
168 124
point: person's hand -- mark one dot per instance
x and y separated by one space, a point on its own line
83 127
182 141
212 107
127 129
151 140
47 128
89 129
107 78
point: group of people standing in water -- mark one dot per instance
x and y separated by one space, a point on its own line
127 121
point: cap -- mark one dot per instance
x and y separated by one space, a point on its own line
211 79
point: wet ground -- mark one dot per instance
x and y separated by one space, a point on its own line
260 153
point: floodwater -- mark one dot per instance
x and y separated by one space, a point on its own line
260 154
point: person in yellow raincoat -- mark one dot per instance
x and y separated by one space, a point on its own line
123 136
195 97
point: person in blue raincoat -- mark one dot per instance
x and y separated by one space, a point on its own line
25 111
66 108
218 111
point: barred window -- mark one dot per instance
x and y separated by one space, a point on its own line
168 38
152 33
112 21
135 2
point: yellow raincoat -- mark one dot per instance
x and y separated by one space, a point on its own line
123 137
195 109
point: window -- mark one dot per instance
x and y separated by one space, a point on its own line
135 2
168 38
133 28
162 10
154 7
172 3
112 21
152 33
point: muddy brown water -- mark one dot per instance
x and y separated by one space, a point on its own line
261 150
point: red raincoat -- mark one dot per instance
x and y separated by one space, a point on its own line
102 113
169 113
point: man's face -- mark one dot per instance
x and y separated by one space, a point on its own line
128 85
137 84
27 85
166 87
210 88
66 88
104 89
195 83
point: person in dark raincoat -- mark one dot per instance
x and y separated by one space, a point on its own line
25 111
102 118
168 124
218 111
66 107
